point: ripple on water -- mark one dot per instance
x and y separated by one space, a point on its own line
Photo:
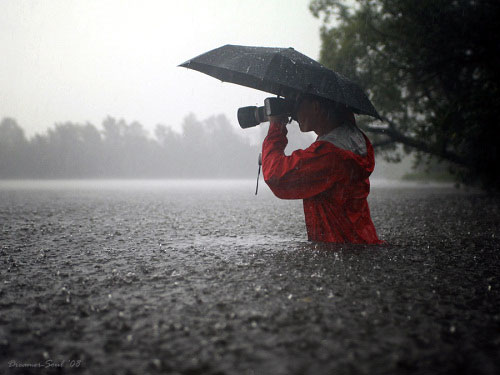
112 274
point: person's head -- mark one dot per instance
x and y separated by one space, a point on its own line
319 114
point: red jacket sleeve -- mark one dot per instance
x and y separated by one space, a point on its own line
303 174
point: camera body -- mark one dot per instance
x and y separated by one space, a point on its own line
253 116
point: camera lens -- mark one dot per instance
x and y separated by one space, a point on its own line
247 117
260 115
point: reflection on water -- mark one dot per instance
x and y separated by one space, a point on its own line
180 184
118 184
112 272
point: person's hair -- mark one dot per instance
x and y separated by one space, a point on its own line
335 111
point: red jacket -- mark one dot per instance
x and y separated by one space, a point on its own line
333 182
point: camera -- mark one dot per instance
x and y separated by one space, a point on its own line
253 116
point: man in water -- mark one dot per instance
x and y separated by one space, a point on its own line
331 175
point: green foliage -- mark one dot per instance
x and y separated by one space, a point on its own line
431 68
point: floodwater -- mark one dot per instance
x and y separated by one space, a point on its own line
204 277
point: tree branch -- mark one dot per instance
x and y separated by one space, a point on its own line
383 143
397 136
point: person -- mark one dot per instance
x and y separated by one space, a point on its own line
331 175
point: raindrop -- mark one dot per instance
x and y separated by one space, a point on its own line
157 363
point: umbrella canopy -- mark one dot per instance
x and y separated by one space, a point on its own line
281 71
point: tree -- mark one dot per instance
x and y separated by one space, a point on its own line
431 69
13 145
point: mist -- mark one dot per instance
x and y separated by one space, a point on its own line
68 60
208 148
204 148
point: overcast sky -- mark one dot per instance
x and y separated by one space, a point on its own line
81 60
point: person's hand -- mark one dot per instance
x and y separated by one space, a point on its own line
281 120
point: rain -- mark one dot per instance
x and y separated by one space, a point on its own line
132 240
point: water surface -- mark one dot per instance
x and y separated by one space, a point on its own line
204 277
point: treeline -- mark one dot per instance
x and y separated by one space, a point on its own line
205 149
432 71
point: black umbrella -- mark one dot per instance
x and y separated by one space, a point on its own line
281 71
